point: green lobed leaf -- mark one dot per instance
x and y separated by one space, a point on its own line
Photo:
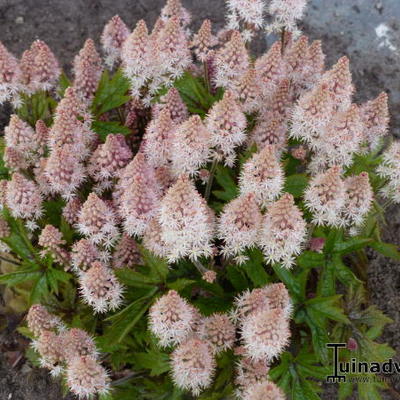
296 184
327 307
387 249
104 128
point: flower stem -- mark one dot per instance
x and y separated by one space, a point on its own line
210 179
206 76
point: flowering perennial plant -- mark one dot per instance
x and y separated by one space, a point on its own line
180 215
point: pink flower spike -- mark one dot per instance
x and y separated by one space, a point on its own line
263 175
64 171
100 288
158 138
10 75
86 377
264 390
265 334
174 103
232 62
84 253
283 232
172 319
187 223
325 197
227 123
174 8
97 221
87 69
191 147
112 39
23 198
193 365
239 225
375 116
126 253
203 41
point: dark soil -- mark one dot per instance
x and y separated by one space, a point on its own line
368 31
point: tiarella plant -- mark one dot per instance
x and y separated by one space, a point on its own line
184 220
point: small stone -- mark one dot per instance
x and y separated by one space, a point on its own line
19 20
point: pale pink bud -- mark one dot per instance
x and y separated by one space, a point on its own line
109 158
76 343
187 222
317 244
209 276
126 253
84 254
112 39
390 169
193 366
278 298
300 153
86 377
71 210
265 334
64 171
227 123
231 61
191 146
97 221
158 138
172 319
375 116
359 197
264 390
50 347
325 197
87 69
174 103
283 231
218 331
23 198
100 288
239 224
352 344
262 175
39 320
203 41
51 240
